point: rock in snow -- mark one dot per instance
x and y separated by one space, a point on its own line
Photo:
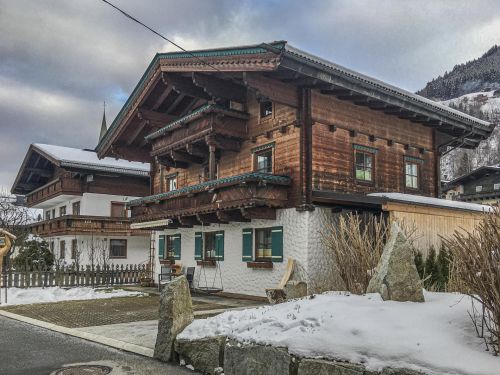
396 277
176 312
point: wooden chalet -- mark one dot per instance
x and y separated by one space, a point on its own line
256 136
482 185
81 196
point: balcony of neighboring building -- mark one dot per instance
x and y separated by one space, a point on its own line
240 198
84 224
59 190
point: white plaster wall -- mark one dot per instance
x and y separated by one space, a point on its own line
137 248
100 204
322 275
91 204
236 276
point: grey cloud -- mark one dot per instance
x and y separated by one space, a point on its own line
59 59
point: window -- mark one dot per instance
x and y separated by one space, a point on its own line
53 213
264 161
52 247
117 248
363 165
47 215
496 186
74 248
411 175
117 209
209 250
172 182
62 249
266 109
263 244
62 210
169 247
76 208
479 189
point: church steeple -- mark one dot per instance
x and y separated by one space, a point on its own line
104 127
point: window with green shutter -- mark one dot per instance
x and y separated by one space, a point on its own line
198 245
219 245
161 247
176 246
277 244
247 255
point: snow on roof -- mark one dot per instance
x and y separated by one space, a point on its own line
435 336
87 159
437 202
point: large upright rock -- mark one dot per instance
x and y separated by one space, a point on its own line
176 313
396 277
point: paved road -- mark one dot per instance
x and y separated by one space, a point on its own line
30 350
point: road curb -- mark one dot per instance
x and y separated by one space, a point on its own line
122 345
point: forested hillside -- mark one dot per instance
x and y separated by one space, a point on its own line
473 88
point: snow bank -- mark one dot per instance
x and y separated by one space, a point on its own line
436 336
18 296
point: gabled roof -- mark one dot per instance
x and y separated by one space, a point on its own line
280 55
73 159
478 172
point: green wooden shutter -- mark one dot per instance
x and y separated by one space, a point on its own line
277 243
177 246
219 245
161 247
247 255
198 245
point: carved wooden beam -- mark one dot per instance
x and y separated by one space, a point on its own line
159 101
196 151
176 102
223 143
231 216
210 218
135 133
184 85
265 213
186 158
169 162
155 118
188 220
219 88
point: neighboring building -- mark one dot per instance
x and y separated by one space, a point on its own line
253 149
83 199
482 185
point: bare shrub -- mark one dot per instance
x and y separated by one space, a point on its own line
475 270
357 242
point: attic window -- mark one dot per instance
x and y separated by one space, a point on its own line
266 108
479 189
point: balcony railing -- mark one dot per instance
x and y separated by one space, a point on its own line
218 200
79 224
62 185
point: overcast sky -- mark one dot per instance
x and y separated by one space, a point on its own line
60 59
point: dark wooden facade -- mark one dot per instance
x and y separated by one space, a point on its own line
205 122
480 186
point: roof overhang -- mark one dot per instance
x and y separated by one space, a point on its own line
170 78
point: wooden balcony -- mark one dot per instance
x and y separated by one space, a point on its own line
61 185
79 224
192 138
237 198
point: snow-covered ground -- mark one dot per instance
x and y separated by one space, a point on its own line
18 296
487 101
436 336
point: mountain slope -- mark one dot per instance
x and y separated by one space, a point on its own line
473 88
482 74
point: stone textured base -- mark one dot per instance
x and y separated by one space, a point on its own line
205 355
249 359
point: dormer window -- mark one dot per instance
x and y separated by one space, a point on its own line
266 108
